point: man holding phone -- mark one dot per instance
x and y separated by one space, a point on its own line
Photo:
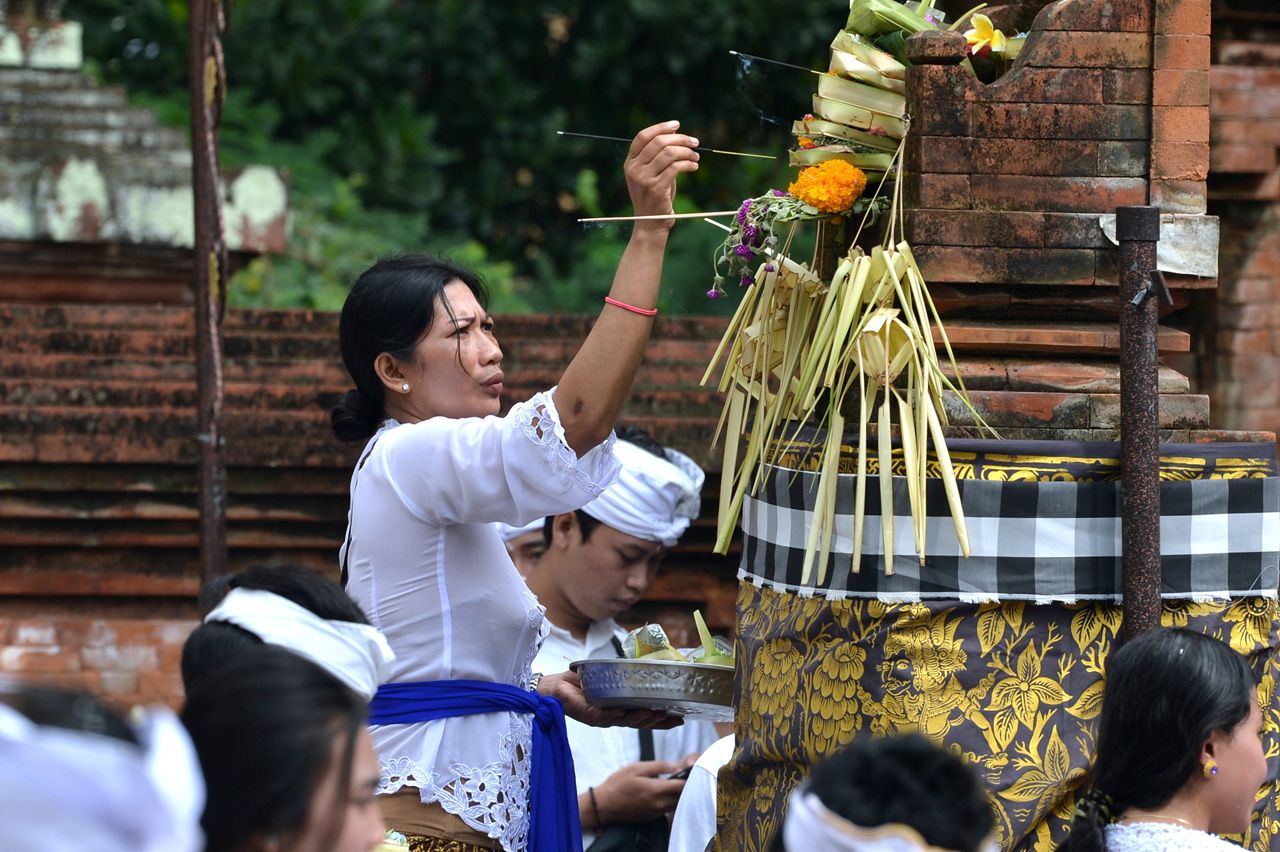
599 560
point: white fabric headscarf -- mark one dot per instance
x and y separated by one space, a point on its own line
356 654
509 532
653 499
811 825
65 790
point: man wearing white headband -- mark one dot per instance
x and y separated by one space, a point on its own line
75 775
599 561
525 544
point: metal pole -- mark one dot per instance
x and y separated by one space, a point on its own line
1138 230
208 83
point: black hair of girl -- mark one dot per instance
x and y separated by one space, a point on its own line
211 646
264 728
1166 692
390 308
72 709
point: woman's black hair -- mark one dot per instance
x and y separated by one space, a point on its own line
390 308
71 709
586 523
211 646
1166 692
905 780
264 727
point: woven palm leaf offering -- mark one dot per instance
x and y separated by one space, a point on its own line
801 351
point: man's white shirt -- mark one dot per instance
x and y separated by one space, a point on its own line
600 752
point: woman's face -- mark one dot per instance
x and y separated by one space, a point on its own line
1242 767
455 370
360 828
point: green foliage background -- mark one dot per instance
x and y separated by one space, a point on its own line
430 126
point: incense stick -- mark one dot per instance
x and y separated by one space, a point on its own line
660 216
773 61
628 141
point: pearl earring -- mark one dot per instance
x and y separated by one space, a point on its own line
405 387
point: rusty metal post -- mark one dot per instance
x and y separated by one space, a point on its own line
1138 230
208 84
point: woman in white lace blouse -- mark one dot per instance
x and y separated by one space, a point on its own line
1180 756
460 732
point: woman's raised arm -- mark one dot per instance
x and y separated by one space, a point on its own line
598 380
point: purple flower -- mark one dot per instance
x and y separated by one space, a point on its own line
769 267
777 193
744 281
746 251
750 234
743 211
713 294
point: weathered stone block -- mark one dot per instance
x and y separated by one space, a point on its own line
1123 159
1182 52
1035 156
1055 194
1180 160
1126 85
1060 121
975 228
1087 15
1080 49
1180 124
949 192
1176 87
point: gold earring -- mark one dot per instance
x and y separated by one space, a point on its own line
405 387
1210 768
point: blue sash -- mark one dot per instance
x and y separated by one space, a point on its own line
553 811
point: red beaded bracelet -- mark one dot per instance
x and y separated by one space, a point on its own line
644 312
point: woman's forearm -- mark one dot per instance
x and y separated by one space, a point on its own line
598 380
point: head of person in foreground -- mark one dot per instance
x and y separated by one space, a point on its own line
892 793
1179 740
288 762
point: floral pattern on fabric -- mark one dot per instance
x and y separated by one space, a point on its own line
1014 687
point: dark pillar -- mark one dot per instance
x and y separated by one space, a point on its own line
1138 230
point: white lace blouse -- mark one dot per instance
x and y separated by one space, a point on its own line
1162 837
427 565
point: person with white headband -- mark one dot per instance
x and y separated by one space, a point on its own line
295 609
891 794
599 561
76 775
286 755
524 544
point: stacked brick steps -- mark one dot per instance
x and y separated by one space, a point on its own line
96 450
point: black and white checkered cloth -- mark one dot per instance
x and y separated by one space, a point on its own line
1037 541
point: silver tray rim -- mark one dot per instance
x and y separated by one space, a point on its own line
685 708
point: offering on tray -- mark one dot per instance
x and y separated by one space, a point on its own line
650 642
696 683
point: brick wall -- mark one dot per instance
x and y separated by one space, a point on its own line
98 525
1240 358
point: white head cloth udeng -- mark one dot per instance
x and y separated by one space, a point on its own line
66 790
356 654
811 825
653 499
509 532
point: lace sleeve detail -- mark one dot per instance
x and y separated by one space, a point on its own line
540 422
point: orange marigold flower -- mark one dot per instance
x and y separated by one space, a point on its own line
806 142
831 186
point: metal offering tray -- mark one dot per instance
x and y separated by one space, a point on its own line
691 690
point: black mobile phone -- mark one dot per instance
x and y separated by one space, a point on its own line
679 776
